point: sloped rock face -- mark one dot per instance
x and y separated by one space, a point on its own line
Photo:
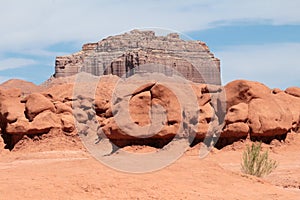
141 51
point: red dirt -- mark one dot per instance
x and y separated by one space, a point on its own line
44 169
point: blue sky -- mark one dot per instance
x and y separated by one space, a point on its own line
255 40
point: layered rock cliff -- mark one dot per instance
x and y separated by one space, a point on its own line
137 52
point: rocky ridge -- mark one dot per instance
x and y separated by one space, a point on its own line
252 111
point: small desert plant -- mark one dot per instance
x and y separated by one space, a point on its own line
257 163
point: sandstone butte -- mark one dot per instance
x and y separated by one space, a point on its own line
239 110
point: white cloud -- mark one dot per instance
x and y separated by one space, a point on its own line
40 23
43 53
30 26
12 63
276 65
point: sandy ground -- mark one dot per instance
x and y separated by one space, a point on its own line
72 173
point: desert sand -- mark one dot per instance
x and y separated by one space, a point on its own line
42 156
43 169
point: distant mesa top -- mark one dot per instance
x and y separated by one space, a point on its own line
138 52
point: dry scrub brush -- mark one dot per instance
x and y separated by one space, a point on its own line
257 163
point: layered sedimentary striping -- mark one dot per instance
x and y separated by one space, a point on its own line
138 52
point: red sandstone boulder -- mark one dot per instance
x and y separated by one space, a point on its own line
61 92
12 109
37 103
68 122
268 114
202 94
237 113
276 91
140 107
252 109
241 91
291 104
42 123
294 91
164 97
62 108
80 115
236 122
268 118
204 120
235 130
153 103
112 130
20 127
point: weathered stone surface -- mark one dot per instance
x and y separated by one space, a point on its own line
235 130
237 113
12 109
68 122
295 91
276 91
165 107
63 108
204 120
268 118
142 51
290 104
158 111
163 96
20 127
242 91
80 115
86 104
140 107
37 103
42 123
61 92
268 113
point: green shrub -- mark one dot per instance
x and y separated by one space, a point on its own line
257 163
